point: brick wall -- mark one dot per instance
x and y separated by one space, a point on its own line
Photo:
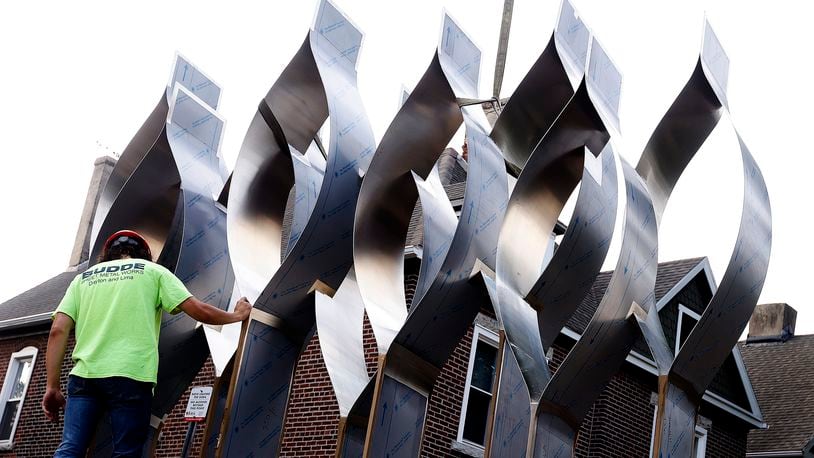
313 413
171 439
619 423
35 436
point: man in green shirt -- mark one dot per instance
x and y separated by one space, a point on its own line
115 309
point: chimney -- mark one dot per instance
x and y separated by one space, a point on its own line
102 167
772 323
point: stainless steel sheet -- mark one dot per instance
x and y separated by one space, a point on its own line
545 90
166 186
261 393
534 301
445 302
607 340
398 421
685 127
318 84
340 325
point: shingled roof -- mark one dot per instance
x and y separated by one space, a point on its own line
37 301
668 275
781 375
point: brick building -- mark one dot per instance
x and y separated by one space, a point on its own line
619 424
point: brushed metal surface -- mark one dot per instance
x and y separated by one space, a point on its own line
534 300
318 84
418 343
166 185
685 127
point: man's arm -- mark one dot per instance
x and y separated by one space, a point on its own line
53 400
209 314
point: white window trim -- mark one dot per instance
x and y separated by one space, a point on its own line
6 390
480 334
683 310
701 437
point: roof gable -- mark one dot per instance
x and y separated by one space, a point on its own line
689 282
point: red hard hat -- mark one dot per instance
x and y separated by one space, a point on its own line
126 233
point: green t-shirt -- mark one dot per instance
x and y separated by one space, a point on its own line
116 307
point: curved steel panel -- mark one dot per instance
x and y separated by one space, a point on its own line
166 186
414 346
563 157
675 141
544 91
319 81
607 340
340 326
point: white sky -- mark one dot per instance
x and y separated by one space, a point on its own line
76 74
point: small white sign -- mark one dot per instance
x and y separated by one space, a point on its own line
198 403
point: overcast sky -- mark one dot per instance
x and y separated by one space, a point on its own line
76 75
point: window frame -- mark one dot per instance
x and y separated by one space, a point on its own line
700 442
480 334
683 310
5 392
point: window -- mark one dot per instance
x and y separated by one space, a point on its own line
687 320
479 388
13 393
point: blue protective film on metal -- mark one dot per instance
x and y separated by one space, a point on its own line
261 393
439 318
512 415
217 409
604 81
715 63
584 247
682 131
607 340
527 296
323 251
354 443
545 90
439 223
399 421
677 424
165 186
572 38
189 115
460 58
334 30
307 182
319 83
555 438
192 78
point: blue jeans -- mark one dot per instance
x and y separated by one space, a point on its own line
126 401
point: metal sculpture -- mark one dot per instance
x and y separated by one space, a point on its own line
545 90
318 83
387 418
555 287
683 129
165 185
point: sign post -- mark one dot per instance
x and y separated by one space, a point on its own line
197 407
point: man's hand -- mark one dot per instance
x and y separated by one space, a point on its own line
242 309
209 314
52 402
